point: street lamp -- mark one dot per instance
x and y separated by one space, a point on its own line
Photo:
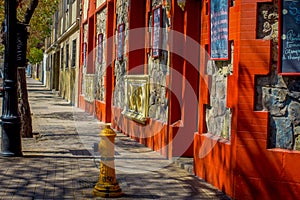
11 138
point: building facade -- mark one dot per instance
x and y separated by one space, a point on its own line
62 50
247 143
214 80
96 57
126 64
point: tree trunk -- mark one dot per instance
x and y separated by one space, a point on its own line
23 104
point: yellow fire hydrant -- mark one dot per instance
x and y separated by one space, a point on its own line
107 185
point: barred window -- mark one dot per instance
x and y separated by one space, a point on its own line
67 56
74 53
62 58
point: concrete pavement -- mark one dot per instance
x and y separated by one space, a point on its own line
61 161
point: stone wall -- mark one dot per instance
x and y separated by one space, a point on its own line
122 7
100 66
99 2
280 95
218 116
158 69
89 90
85 9
83 68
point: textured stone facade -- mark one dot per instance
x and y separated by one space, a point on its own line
122 7
85 8
158 69
89 90
218 116
280 95
100 64
84 67
100 2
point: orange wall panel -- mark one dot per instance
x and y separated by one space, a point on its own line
250 170
215 160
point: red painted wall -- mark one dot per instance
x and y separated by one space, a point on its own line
214 157
245 168
154 133
177 135
101 109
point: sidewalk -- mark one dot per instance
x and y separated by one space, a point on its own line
61 161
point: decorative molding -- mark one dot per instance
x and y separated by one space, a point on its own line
136 98
72 29
89 90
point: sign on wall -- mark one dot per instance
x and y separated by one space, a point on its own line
89 94
219 45
136 98
156 32
84 54
100 48
289 37
121 37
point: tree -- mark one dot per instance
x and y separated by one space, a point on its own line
23 104
40 23
35 55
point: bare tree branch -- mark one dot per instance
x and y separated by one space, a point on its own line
30 11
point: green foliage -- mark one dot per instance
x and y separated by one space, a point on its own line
40 23
35 55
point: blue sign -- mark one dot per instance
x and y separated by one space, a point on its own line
100 48
121 36
219 45
156 34
289 41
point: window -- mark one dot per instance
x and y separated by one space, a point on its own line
74 53
66 5
62 58
47 63
84 51
67 56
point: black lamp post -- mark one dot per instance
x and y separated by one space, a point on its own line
11 138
